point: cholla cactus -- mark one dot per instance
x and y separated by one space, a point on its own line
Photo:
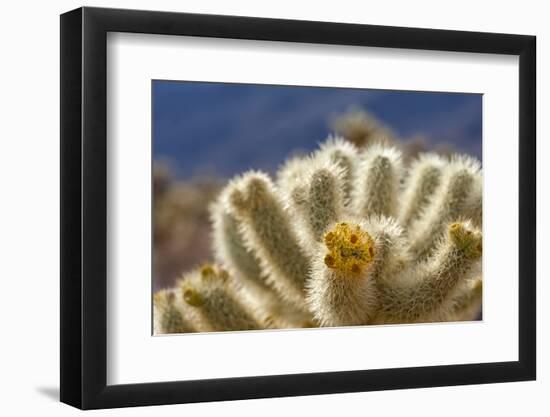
342 237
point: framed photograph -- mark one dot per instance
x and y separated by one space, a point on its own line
259 208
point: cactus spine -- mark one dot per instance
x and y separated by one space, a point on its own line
342 237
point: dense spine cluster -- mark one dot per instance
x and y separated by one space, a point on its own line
344 236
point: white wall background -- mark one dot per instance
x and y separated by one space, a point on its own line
29 237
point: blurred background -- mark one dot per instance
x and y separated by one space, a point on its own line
205 133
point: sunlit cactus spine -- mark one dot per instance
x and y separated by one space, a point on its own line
269 233
344 236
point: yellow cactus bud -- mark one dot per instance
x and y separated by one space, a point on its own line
207 271
351 249
192 297
466 240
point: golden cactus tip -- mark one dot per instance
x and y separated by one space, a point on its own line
350 249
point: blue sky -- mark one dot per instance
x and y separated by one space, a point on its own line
224 129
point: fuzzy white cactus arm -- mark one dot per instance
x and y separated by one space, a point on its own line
230 249
219 303
450 203
342 153
323 201
423 179
391 250
231 252
425 293
377 182
340 291
167 315
316 198
268 231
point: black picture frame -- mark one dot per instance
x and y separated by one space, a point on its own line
84 207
